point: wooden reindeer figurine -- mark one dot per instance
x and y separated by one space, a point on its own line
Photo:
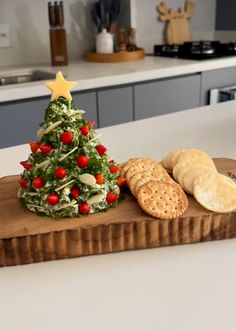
178 29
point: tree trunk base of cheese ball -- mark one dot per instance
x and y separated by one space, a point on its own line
68 173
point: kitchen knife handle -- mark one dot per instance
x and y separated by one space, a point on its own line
61 14
51 15
56 13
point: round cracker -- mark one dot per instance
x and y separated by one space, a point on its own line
162 200
195 156
186 155
169 159
120 165
145 176
215 192
136 178
132 161
180 168
174 156
126 166
145 165
158 178
192 172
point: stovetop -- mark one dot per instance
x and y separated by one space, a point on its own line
197 50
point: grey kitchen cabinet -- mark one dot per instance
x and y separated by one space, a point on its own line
87 102
19 120
214 79
166 96
115 106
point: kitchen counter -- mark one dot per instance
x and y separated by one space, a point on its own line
96 75
179 288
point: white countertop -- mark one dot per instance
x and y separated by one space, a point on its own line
97 75
181 288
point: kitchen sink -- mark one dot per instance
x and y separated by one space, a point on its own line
25 77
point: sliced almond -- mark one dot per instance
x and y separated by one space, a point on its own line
43 164
87 179
96 137
76 112
66 191
116 190
35 206
70 152
96 199
66 205
52 127
40 134
64 185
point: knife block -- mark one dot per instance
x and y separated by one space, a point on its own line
58 46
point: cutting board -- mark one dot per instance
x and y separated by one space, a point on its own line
27 238
177 29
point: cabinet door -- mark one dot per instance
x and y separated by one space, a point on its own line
19 120
225 15
115 106
166 96
214 79
87 102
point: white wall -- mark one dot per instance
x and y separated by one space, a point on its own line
29 30
150 29
225 36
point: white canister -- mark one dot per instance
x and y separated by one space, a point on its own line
104 43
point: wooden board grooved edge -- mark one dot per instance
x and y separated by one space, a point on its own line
27 238
114 238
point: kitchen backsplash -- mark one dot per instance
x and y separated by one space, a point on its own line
29 28
150 29
28 20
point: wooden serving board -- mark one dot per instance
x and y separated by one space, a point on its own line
177 29
115 57
27 238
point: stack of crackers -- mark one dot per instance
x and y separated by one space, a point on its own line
161 196
195 171
156 192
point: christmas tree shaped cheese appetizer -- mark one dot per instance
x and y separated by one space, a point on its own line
68 173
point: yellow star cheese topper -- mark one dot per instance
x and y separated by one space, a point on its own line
60 87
